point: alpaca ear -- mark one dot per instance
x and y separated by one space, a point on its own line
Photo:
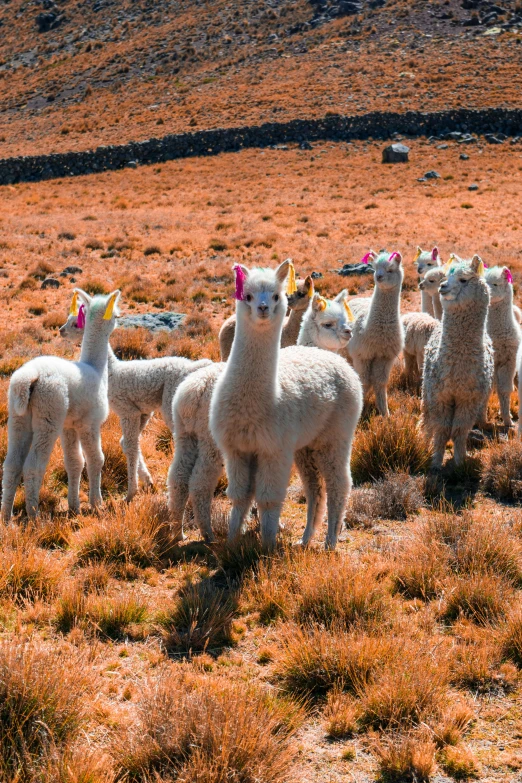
283 270
342 296
319 303
435 254
83 297
369 257
349 312
111 304
73 310
396 257
309 286
506 274
477 265
241 273
291 285
417 254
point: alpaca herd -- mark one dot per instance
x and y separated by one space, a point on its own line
296 368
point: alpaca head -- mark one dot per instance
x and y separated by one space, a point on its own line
432 280
100 311
426 259
464 284
500 283
300 299
71 331
261 300
332 321
388 272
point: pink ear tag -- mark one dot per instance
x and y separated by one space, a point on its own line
508 275
80 319
434 253
394 256
366 258
240 281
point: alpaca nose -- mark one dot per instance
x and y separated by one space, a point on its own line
262 309
379 277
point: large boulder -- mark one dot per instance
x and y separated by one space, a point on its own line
395 153
154 322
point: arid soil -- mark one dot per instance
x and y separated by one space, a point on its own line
399 655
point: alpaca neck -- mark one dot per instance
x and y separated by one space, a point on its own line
95 349
292 326
384 306
253 365
501 318
473 315
437 306
427 303
306 334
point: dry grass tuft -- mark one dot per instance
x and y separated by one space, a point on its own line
138 534
200 620
453 724
43 696
512 636
406 758
340 714
27 572
482 598
393 444
238 557
206 731
103 615
460 763
130 344
420 565
396 496
502 473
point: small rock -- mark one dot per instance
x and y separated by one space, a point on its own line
395 153
72 270
154 322
516 139
463 156
305 145
473 186
468 140
492 139
50 282
422 179
132 164
432 175
442 146
476 438
355 269
316 275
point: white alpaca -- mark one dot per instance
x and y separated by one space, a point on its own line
418 328
377 337
505 335
429 285
137 389
519 373
271 406
198 464
50 397
297 303
424 261
458 362
327 323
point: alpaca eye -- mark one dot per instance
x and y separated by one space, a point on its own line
248 297
276 297
300 295
327 326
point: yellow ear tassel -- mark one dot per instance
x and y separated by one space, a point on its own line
480 269
291 286
348 311
417 255
110 308
74 305
322 303
310 282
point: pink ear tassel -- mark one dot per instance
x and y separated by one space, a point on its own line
434 253
80 318
367 258
394 255
240 280
508 275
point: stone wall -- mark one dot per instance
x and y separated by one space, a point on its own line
376 125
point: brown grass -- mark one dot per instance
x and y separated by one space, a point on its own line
27 572
406 758
396 496
502 476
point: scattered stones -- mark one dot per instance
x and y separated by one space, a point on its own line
442 146
355 269
131 164
154 322
473 186
49 21
476 439
72 270
432 175
492 139
421 179
305 145
395 153
316 275
463 156
50 282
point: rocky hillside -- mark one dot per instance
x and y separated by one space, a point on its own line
76 73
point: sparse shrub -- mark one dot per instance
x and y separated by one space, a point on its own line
512 636
200 619
203 731
95 287
53 321
164 441
27 572
28 284
487 546
476 664
114 473
94 244
241 555
10 365
453 724
219 245
42 270
152 250
392 444
131 344
37 310
482 598
138 534
69 235
406 758
340 715
396 496
502 476
421 565
460 763
108 616
43 694
196 326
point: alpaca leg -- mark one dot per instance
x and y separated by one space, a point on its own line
178 479
203 482
92 448
381 369
315 493
130 443
363 370
462 425
504 382
20 437
441 418
410 366
335 467
35 465
143 472
74 462
241 474
272 479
